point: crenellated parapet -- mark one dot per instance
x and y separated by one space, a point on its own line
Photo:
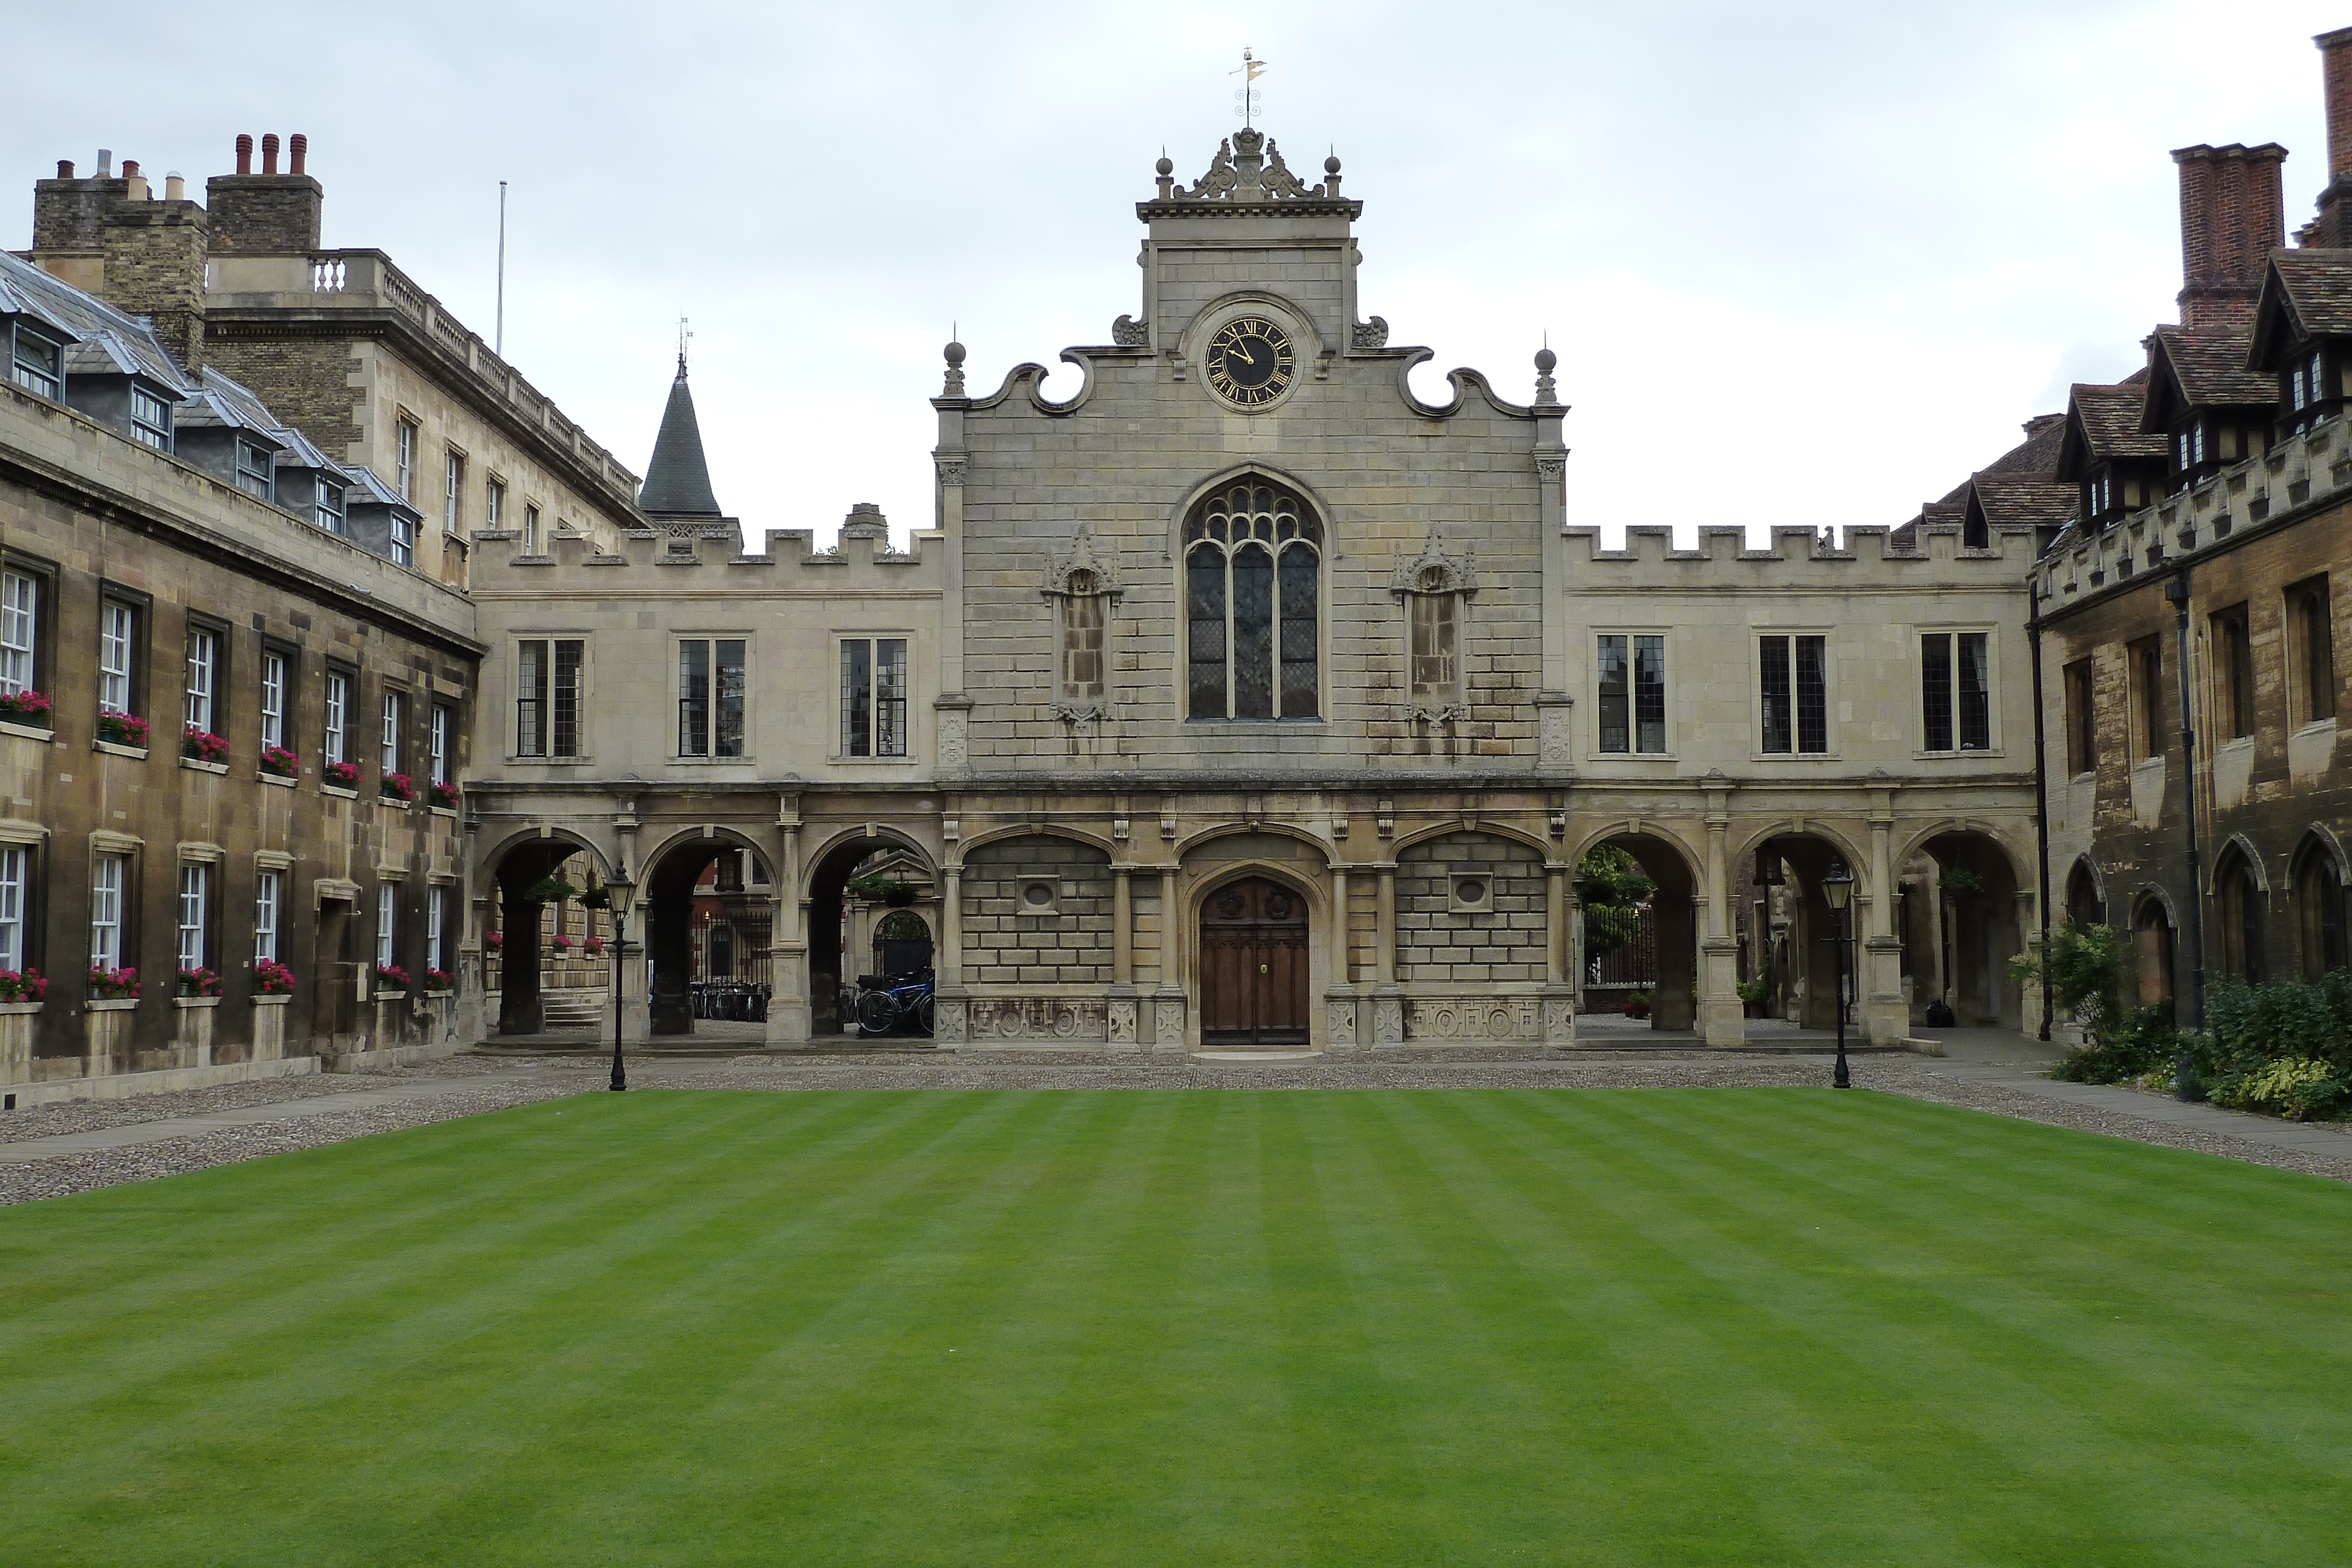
860 560
1935 555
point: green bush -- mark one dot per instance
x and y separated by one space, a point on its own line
1609 884
2300 1087
2125 1048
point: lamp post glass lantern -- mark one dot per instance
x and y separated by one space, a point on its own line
619 887
1837 892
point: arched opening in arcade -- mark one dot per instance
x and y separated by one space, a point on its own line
547 947
872 913
1959 918
2086 906
2152 941
2319 908
1792 926
1640 919
2239 909
708 911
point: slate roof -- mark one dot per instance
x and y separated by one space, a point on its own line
678 479
218 403
2203 367
2103 426
378 492
105 341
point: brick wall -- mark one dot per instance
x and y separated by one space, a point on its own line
1072 945
1436 944
306 382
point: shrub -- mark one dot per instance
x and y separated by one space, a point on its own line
27 708
343 775
443 796
121 729
114 985
1609 884
2127 1047
2300 1087
396 786
1637 1006
22 985
1759 989
202 745
272 979
391 978
200 983
281 763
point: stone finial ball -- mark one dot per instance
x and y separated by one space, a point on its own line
1545 360
955 353
1166 166
1331 165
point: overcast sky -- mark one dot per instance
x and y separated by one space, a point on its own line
1802 262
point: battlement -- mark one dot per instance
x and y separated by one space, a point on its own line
857 561
2301 471
1934 551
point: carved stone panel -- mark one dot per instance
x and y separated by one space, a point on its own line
1168 1024
954 751
1387 1022
1340 1023
1554 744
1122 1021
1484 1020
1559 1020
950 1025
1040 1019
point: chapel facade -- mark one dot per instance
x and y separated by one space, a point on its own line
1246 700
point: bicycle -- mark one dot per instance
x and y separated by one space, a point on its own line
883 1008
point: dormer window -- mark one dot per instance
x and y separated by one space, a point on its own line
38 364
328 510
256 468
2099 494
2307 390
2189 448
151 419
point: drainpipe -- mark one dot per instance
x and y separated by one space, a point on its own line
2176 589
2041 800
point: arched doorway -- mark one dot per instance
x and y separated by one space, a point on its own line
707 917
1977 909
2239 909
1253 966
902 944
2152 954
2085 906
2319 911
833 958
1636 937
542 934
1804 937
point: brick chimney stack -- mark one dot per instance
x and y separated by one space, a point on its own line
268 213
2332 228
2232 215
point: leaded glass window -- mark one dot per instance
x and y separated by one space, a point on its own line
1253 570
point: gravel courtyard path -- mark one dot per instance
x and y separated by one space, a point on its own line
80 1145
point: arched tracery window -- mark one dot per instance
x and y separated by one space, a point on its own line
1252 584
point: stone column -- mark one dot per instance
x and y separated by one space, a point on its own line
1878 980
1387 996
1341 1013
951 1024
1721 1021
1168 1001
1122 1029
787 1007
1559 992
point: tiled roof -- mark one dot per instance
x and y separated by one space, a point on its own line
2207 365
2108 417
107 341
2318 285
2024 501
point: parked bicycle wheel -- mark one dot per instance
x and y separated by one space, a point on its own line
877 1012
925 1011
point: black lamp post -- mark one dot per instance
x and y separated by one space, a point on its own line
1837 891
619 887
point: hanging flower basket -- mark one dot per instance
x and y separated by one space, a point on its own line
121 729
22 985
1960 881
202 745
272 979
281 763
343 775
27 707
888 890
548 890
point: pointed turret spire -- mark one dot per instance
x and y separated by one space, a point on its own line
677 480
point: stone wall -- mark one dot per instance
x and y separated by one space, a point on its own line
1071 944
1436 944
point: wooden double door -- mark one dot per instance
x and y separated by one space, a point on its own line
1253 966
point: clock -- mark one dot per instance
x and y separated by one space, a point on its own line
1250 362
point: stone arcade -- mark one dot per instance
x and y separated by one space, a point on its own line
1246 700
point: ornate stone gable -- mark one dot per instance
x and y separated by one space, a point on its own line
1248 173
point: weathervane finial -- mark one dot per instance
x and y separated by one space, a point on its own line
683 334
1246 96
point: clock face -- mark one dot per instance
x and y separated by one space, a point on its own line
1250 362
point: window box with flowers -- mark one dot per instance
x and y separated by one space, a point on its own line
391 982
200 983
27 713
22 986
280 766
563 944
204 751
494 942
397 788
114 985
437 983
340 779
442 797
272 981
124 734
595 947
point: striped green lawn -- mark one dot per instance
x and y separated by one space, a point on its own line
1620 1327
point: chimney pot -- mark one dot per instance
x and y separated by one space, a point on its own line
269 152
65 168
175 189
130 168
297 151
105 163
244 154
